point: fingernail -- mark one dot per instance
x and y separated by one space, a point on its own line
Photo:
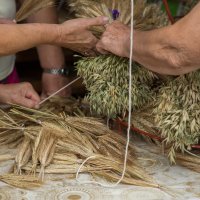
105 19
14 21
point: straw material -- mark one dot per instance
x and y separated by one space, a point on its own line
189 161
58 144
22 181
177 113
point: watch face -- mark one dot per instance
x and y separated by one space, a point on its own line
63 71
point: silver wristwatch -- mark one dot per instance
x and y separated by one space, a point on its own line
61 71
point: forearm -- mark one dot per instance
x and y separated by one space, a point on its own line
50 56
14 38
154 50
165 51
172 50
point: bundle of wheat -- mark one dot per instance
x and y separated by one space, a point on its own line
69 105
22 181
190 161
58 144
106 77
177 113
146 16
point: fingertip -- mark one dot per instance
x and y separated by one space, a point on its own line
105 19
37 106
98 21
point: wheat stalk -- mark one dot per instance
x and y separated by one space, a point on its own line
22 181
60 143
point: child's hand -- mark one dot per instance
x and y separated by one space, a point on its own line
20 93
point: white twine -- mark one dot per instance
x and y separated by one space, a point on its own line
55 93
129 119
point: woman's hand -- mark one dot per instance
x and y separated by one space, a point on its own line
171 50
72 34
20 93
75 34
116 40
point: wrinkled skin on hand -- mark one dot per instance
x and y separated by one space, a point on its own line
116 40
170 50
20 93
75 34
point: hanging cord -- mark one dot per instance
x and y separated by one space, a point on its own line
55 93
129 119
171 18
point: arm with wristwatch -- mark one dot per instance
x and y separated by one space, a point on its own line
52 59
47 37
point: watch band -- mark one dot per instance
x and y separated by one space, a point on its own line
61 71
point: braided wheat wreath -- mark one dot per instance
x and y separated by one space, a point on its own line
176 104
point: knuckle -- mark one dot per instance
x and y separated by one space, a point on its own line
177 61
105 40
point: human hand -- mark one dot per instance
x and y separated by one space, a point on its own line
75 34
52 83
116 40
20 93
186 41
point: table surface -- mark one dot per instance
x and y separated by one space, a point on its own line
177 182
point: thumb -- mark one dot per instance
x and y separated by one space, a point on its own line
98 21
23 101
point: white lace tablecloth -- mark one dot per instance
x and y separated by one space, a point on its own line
177 182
